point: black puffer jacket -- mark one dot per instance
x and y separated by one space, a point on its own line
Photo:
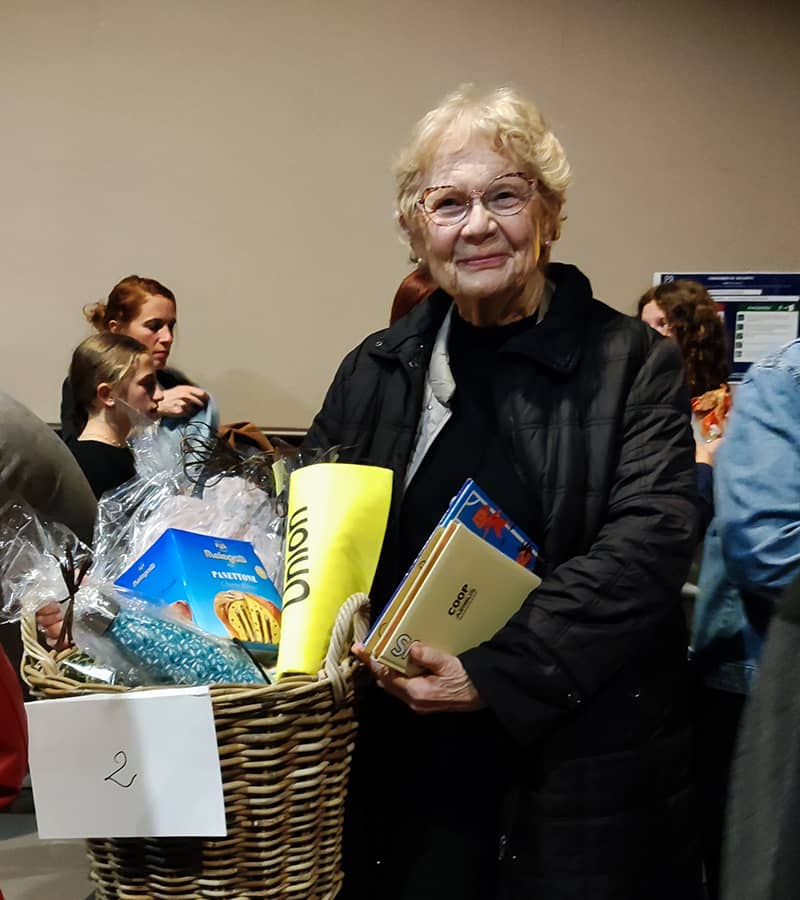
589 677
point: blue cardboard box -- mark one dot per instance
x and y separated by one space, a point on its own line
473 508
220 585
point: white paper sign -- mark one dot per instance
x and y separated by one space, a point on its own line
137 764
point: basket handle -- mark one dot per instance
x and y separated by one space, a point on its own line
351 624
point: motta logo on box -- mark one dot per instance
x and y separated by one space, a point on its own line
143 573
220 554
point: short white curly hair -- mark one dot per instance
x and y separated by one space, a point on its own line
510 124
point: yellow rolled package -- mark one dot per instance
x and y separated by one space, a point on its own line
336 522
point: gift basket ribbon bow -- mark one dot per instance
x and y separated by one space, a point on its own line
73 578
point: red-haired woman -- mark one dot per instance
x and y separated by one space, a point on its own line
414 288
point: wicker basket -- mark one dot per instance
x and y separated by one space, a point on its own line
285 752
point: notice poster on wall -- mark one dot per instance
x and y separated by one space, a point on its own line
761 310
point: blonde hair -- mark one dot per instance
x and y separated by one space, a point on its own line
102 358
510 124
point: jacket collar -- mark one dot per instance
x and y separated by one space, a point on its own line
412 336
556 343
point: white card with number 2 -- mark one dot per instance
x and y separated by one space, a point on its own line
135 764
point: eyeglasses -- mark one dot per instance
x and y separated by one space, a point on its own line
505 195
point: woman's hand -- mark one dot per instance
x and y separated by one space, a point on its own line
49 620
181 401
444 687
704 451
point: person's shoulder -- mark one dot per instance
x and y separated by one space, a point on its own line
786 359
771 383
25 434
419 325
600 320
105 466
424 318
85 451
622 334
170 378
630 326
102 461
37 464
98 449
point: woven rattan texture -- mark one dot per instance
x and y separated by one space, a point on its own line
285 753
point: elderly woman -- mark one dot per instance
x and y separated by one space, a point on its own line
553 760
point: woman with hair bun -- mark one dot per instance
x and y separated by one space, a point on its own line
145 309
414 288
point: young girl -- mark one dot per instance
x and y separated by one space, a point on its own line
113 379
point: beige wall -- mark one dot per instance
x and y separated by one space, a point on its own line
240 152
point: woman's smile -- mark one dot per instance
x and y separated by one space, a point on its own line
483 262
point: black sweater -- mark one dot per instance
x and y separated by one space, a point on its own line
105 466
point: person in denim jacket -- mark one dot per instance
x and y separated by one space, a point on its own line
752 553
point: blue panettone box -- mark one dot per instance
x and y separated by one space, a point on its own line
218 584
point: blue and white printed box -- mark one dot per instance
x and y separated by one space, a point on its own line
219 584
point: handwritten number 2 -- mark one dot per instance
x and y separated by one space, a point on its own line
122 758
